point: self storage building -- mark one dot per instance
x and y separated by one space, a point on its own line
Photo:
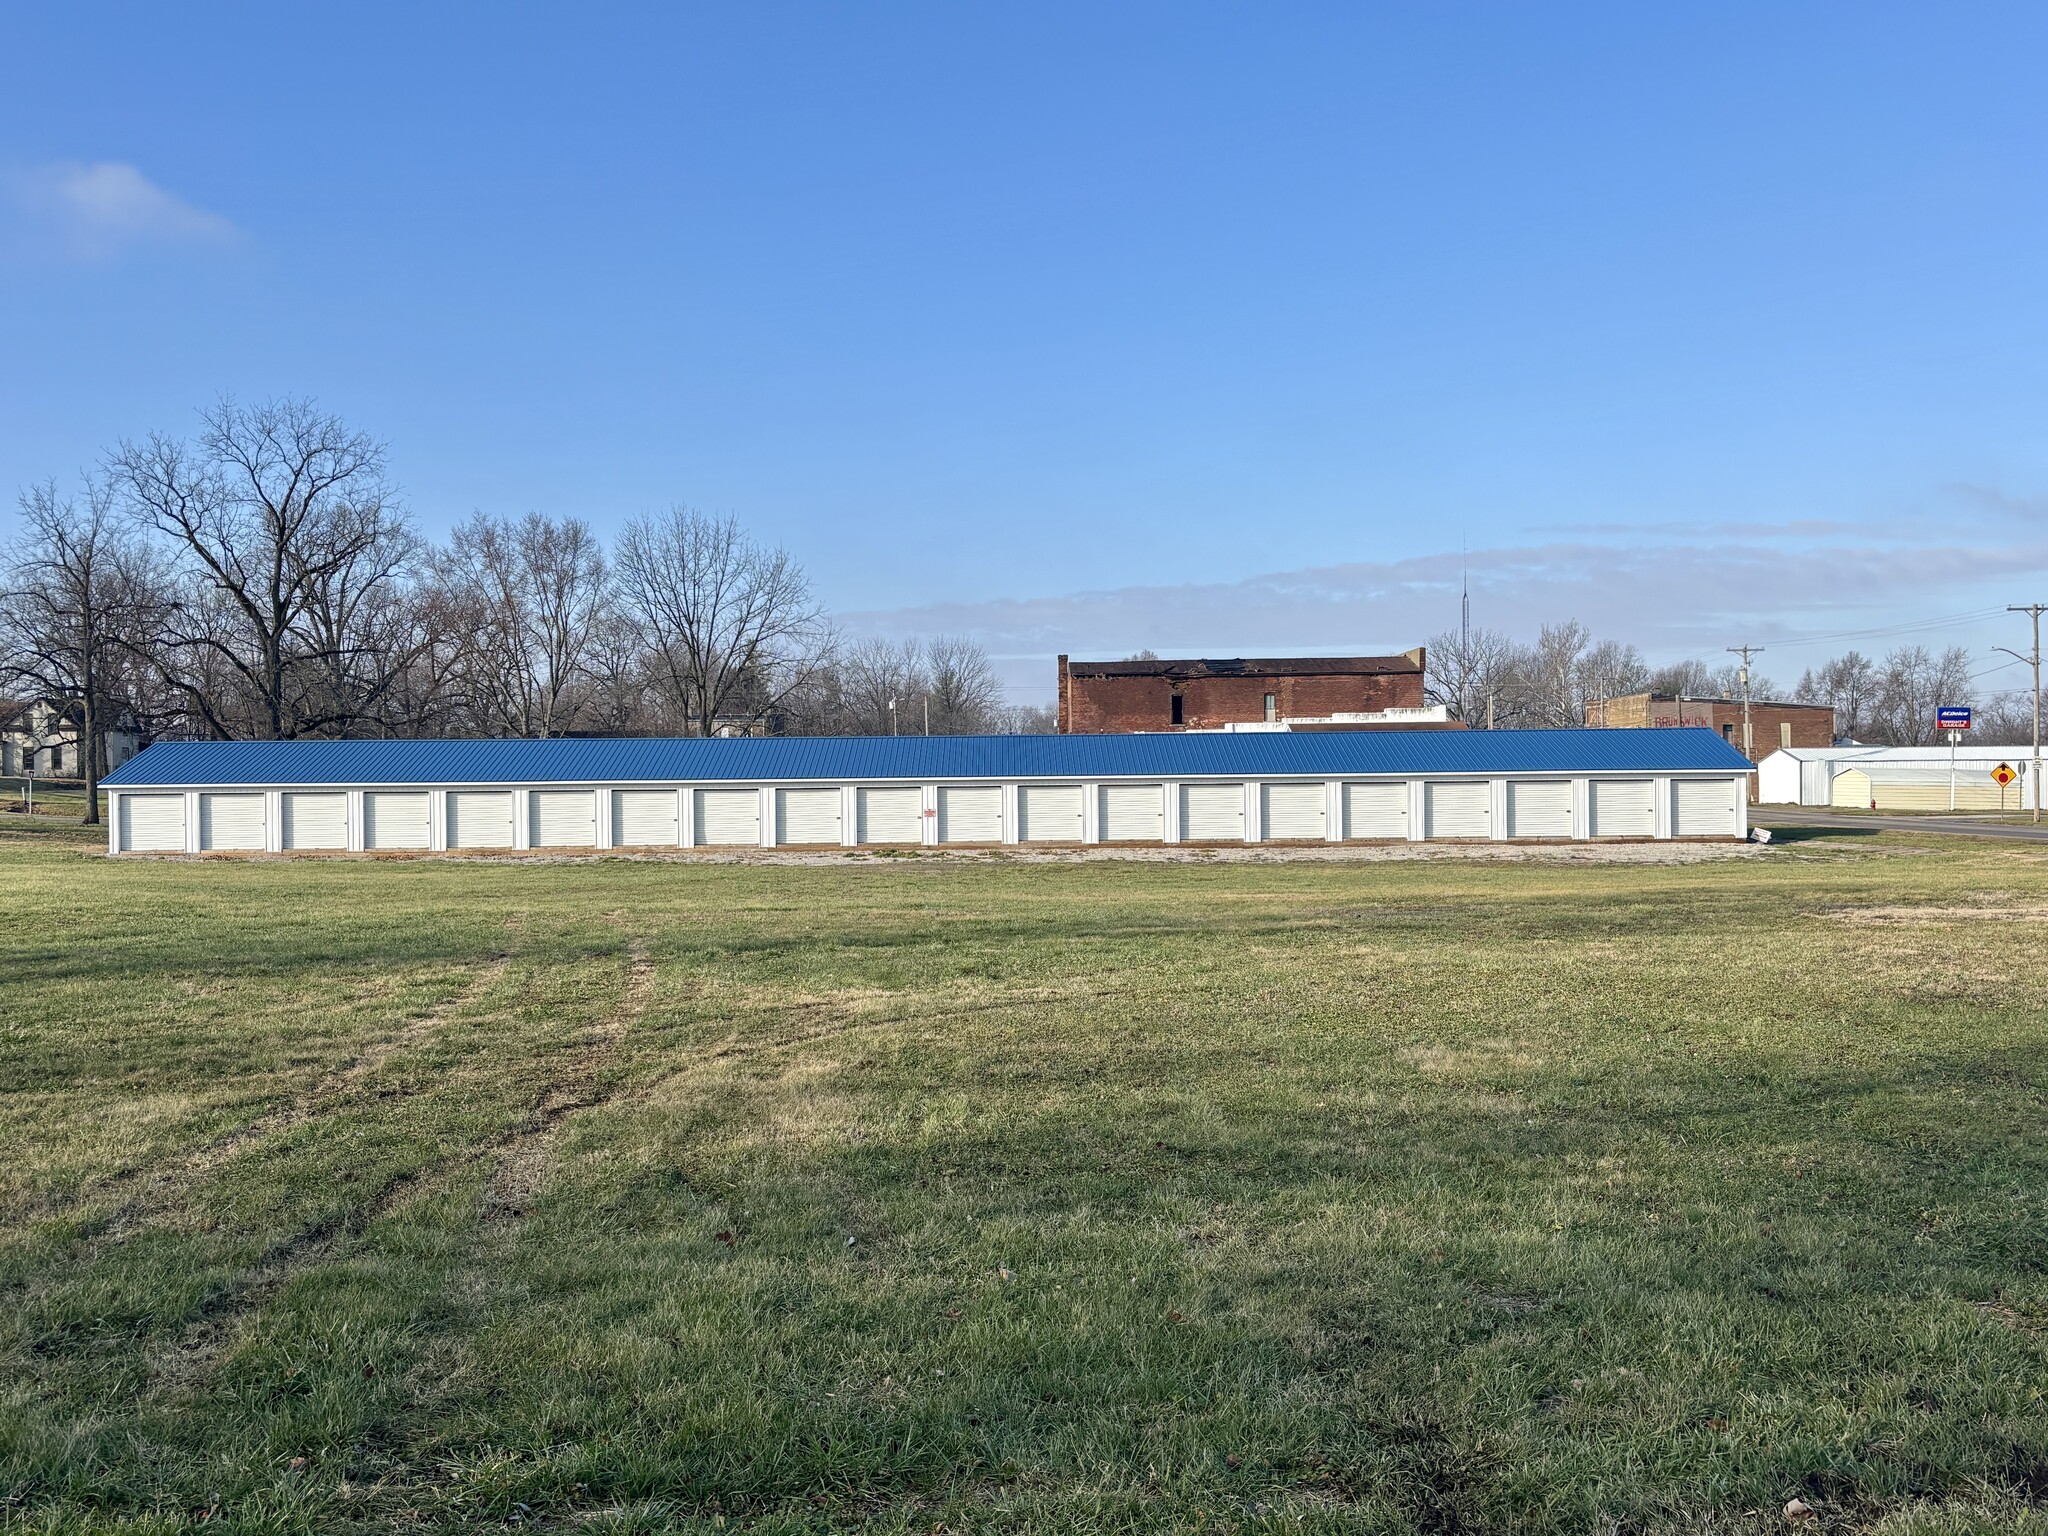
428 796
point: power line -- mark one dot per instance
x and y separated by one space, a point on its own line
2016 662
1915 626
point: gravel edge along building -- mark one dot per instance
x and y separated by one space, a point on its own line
1226 788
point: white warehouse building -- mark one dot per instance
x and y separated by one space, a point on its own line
1811 775
431 796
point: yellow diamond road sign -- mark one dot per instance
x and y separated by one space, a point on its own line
2003 775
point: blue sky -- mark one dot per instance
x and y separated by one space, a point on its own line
1209 328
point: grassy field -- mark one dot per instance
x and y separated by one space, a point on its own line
937 1195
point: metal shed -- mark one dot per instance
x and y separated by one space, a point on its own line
1265 787
1812 775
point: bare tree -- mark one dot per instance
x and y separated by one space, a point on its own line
365 626
276 511
538 593
729 626
73 590
1848 685
1912 685
1026 720
2005 719
962 687
1469 673
878 688
1688 679
618 701
1610 669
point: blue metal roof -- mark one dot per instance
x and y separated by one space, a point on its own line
845 759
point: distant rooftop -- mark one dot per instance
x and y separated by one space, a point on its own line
1260 666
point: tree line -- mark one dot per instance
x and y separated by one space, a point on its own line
1487 678
261 580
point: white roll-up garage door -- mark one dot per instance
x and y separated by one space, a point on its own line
644 818
728 816
1540 808
394 819
1624 808
970 813
894 815
1293 813
315 821
1212 813
480 818
562 818
1049 813
1376 810
153 823
1703 808
1133 813
1457 810
806 816
231 822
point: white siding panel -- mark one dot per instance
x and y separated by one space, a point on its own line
1376 810
480 818
562 818
1212 813
893 815
1133 813
970 814
1703 808
644 818
1049 813
394 819
728 816
1457 810
1539 808
153 823
806 816
315 821
1292 813
231 822
1624 808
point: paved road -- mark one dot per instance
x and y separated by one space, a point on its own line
1775 816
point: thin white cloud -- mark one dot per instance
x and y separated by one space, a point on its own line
94 211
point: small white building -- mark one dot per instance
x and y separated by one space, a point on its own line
1810 775
930 791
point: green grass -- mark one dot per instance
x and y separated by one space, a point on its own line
1435 1197
59 802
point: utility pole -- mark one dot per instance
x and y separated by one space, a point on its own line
2034 611
1745 652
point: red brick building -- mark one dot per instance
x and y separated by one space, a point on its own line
1098 697
1773 723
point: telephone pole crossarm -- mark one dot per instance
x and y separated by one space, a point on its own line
1745 652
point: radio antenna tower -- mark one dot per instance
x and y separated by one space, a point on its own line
1464 603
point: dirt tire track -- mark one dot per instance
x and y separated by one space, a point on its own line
523 1154
165 1183
529 1153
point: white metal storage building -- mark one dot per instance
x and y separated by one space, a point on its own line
430 796
1807 775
